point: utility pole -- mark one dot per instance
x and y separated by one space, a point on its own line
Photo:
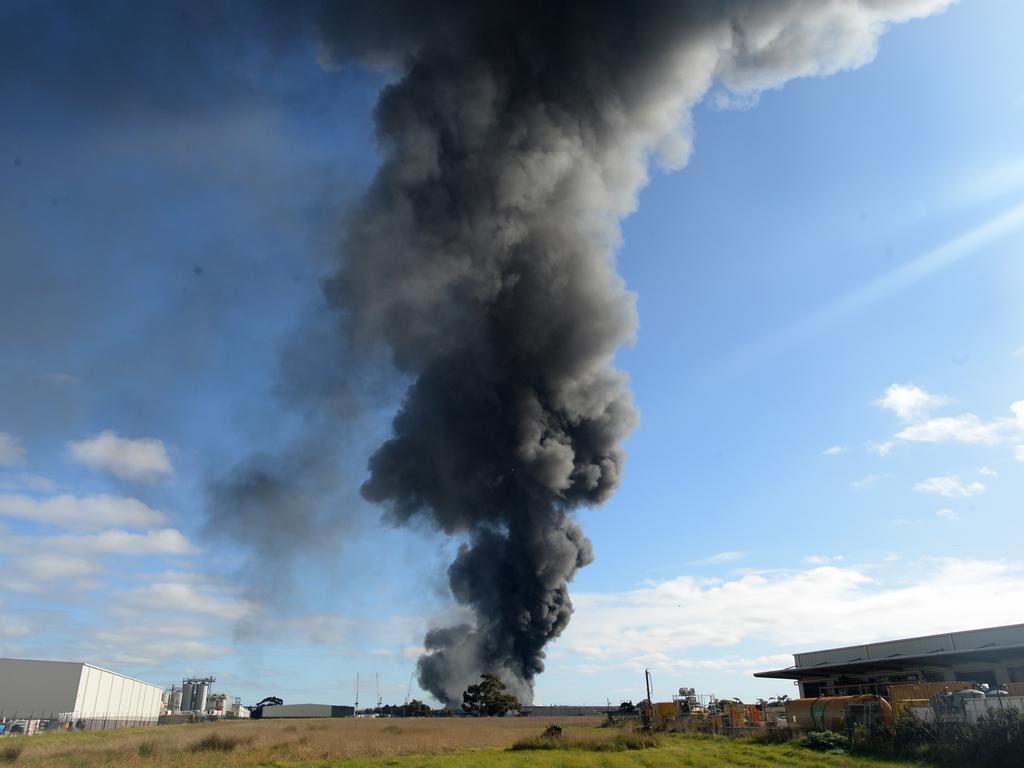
356 710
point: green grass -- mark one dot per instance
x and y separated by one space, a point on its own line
674 751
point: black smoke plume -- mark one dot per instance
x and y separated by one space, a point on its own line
515 138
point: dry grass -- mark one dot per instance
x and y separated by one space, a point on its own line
399 743
243 743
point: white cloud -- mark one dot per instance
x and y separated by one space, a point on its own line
49 566
909 402
988 472
834 450
82 512
185 597
1018 453
950 486
143 459
793 611
165 541
882 449
721 557
823 559
967 428
11 451
948 514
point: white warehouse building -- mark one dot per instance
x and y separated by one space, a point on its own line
77 693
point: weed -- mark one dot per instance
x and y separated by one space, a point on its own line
147 749
215 742
10 753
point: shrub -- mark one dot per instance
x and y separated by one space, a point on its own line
10 753
147 749
217 743
620 742
553 731
826 741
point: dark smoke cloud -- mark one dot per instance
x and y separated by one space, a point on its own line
483 258
515 137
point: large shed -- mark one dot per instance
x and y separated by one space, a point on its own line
75 692
994 656
308 710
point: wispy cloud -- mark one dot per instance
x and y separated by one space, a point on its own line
834 450
143 459
11 451
950 486
82 512
823 559
947 514
721 557
869 480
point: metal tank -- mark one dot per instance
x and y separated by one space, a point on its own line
835 713
174 700
199 702
188 692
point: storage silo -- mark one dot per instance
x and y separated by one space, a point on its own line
188 691
174 700
201 690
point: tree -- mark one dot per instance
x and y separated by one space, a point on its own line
488 698
416 708
256 711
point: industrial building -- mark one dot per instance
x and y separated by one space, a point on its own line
992 656
76 694
195 699
307 710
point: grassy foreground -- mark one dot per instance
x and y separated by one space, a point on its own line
413 743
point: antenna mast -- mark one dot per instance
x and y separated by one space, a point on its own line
379 700
357 694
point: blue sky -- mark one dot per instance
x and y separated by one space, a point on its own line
829 350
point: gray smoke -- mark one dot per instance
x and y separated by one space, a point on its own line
515 138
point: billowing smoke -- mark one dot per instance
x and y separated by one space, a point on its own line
515 138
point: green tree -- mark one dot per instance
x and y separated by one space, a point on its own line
488 698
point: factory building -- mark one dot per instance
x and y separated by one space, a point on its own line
75 693
992 656
307 710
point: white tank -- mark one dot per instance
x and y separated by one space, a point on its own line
174 700
188 691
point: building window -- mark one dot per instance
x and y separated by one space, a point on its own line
1016 674
811 690
935 677
982 676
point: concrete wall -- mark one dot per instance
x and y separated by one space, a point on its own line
38 687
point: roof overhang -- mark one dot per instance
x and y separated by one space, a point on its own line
897 663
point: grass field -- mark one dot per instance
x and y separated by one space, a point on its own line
398 743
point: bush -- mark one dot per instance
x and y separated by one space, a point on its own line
826 741
620 742
997 741
147 749
217 743
10 753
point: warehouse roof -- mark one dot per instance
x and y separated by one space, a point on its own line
80 664
991 644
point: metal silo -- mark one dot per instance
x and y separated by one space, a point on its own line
188 692
199 702
174 700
